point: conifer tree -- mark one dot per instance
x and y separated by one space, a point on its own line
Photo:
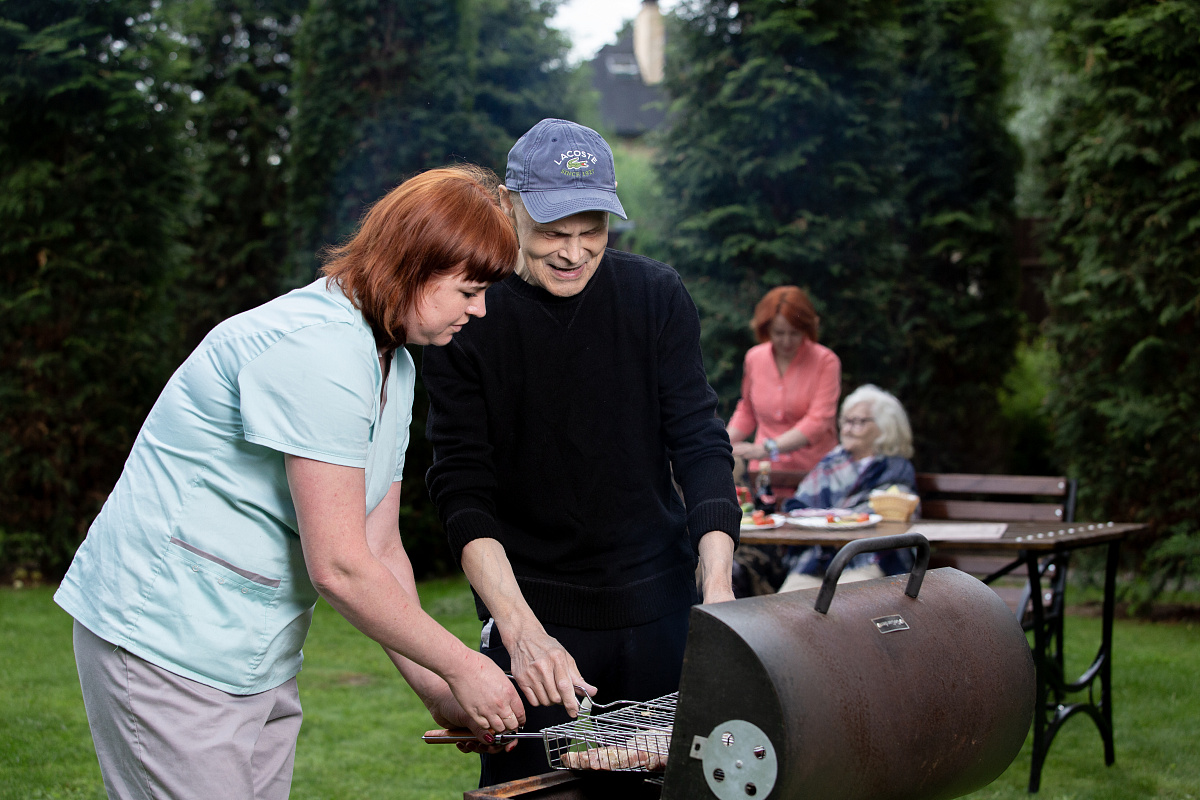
235 62
387 88
1125 300
777 161
954 302
91 183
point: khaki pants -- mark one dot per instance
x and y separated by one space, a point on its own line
160 736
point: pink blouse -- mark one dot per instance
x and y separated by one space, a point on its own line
805 398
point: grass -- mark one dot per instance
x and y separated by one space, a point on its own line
362 726
361 731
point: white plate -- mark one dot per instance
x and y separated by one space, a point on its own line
821 512
777 521
819 523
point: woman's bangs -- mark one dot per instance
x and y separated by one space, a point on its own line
489 252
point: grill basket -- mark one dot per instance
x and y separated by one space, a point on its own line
635 737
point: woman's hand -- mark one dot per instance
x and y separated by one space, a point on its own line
449 713
750 450
359 566
746 449
486 695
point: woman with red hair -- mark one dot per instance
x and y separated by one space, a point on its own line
790 388
268 474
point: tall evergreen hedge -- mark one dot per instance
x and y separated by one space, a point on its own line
386 88
954 303
856 149
91 186
235 61
1125 301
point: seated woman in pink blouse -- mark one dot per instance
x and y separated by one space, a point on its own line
790 388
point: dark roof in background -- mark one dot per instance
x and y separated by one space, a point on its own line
628 107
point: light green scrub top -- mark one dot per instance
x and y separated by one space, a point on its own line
194 563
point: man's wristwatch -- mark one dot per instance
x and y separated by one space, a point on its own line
772 449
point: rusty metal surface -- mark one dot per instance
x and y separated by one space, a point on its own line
933 710
570 786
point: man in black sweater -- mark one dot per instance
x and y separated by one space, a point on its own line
561 422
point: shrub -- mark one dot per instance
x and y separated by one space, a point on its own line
91 183
1125 300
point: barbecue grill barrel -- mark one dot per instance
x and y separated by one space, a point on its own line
886 697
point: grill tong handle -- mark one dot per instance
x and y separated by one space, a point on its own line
457 735
871 545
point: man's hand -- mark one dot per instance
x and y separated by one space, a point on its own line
544 670
541 667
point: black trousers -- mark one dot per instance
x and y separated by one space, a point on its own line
639 663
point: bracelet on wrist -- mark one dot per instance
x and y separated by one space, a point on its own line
772 448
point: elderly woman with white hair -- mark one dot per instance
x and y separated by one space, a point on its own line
876 445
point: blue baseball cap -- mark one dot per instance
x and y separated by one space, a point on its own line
560 168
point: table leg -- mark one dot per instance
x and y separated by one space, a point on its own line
1110 603
1056 568
1048 633
1041 665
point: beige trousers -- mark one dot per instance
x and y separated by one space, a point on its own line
160 736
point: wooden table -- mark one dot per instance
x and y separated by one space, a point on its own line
1043 548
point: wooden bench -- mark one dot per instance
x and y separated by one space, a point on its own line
1001 498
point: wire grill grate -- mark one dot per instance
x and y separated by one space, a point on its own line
633 738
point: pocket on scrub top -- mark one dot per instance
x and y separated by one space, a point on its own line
218 601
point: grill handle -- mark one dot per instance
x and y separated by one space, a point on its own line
462 736
871 545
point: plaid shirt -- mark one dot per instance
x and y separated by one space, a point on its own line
839 481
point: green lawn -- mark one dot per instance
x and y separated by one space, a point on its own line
362 726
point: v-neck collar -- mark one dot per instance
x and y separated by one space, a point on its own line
385 368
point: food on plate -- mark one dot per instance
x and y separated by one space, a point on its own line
830 519
819 512
758 517
848 519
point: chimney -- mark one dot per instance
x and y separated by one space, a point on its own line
649 37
